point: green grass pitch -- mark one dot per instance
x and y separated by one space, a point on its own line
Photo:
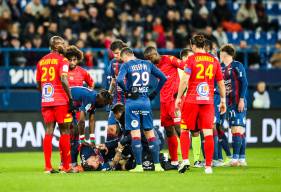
23 172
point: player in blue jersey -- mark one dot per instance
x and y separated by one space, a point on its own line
138 114
236 87
85 101
114 89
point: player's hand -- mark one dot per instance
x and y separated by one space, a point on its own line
152 95
71 106
241 105
178 104
102 147
93 145
222 107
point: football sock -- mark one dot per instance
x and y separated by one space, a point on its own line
216 141
202 144
137 149
209 149
82 139
64 143
173 147
154 149
196 147
242 154
236 144
184 143
224 144
220 157
74 150
47 148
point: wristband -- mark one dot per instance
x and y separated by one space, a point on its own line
223 99
92 138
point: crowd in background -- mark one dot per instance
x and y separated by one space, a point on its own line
96 23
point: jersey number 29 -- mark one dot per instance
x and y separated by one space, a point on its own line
140 78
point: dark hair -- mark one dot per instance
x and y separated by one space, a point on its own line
55 42
106 95
185 52
229 49
149 50
118 107
198 41
126 51
117 44
73 51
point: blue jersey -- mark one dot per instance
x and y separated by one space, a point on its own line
235 82
113 70
84 98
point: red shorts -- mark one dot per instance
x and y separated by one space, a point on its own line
167 114
201 115
57 114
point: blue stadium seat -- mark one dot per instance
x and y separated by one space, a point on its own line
235 37
271 38
249 36
272 8
260 38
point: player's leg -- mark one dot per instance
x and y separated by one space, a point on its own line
205 122
74 142
223 143
242 154
92 128
216 162
196 148
81 127
49 119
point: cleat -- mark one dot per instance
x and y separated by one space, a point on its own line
184 166
234 163
168 166
70 170
137 169
242 163
198 164
208 170
50 171
217 163
158 167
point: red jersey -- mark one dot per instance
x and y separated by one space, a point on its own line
203 69
169 66
49 70
78 76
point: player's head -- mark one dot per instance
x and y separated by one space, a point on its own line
57 44
150 53
74 56
227 53
116 47
118 109
127 54
185 53
103 98
197 42
91 158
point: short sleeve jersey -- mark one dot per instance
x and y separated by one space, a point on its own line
78 76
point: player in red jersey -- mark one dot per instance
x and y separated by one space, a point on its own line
201 70
52 82
77 76
169 65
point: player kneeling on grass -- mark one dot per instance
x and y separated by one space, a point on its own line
138 114
198 109
236 87
85 101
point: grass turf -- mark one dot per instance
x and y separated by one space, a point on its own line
23 172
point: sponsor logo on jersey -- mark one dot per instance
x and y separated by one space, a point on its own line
48 90
203 91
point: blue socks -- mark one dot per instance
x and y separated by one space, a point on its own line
216 147
242 154
154 149
236 144
137 149
74 151
224 143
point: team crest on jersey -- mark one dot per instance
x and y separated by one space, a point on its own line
135 123
48 90
203 89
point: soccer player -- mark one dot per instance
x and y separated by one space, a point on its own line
138 114
118 94
56 100
169 65
76 77
201 71
236 87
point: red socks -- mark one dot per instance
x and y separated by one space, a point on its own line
47 148
209 149
173 147
185 144
64 144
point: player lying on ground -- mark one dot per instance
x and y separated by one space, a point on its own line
118 94
198 109
51 77
236 87
85 101
169 65
138 113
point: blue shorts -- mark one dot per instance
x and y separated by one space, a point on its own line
138 114
236 118
219 119
111 119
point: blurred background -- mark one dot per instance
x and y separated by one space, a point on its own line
254 27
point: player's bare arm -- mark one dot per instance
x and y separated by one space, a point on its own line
182 87
222 95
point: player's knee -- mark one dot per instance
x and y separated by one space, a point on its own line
64 128
237 129
149 134
195 134
207 132
170 131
